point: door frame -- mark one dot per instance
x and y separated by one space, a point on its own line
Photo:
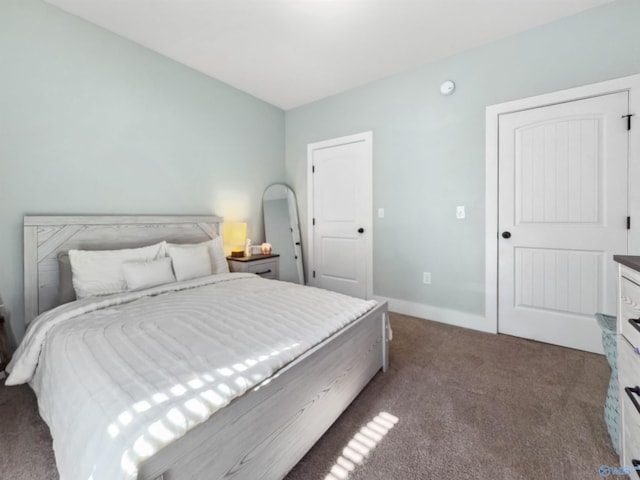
630 84
367 138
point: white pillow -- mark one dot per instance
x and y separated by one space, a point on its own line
190 261
141 275
99 272
218 258
216 253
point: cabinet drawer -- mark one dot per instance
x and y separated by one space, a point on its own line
631 453
266 266
630 274
629 377
264 269
630 310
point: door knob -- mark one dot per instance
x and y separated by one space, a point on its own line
361 230
506 234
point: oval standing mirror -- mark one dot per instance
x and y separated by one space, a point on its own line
282 230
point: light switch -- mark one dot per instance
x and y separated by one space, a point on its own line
460 213
381 213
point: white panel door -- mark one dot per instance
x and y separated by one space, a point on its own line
562 216
341 204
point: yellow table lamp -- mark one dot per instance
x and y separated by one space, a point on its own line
235 236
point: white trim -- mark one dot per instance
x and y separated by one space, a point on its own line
491 220
630 84
367 173
439 314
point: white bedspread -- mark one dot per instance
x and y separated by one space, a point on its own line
120 377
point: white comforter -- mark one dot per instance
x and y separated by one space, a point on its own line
120 377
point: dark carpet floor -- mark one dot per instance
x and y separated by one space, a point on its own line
470 406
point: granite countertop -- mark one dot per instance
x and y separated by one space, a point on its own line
631 261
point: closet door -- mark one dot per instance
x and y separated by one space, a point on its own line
341 215
563 173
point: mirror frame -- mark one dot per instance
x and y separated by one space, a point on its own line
294 222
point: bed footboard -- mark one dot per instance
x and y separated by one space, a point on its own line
264 433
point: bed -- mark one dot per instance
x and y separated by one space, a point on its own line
262 430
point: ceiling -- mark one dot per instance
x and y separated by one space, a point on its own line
292 52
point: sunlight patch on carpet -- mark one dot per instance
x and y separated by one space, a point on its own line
362 443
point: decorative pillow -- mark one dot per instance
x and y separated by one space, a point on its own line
66 293
218 258
216 253
190 261
141 275
99 272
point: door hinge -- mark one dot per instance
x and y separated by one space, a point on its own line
628 117
314 274
314 221
628 223
313 169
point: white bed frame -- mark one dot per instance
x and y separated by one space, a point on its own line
262 434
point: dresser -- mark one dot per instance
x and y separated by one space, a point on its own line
629 362
267 266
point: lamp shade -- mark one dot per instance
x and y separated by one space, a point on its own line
234 236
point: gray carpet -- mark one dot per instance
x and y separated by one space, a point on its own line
470 406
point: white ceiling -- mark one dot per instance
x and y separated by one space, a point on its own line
292 52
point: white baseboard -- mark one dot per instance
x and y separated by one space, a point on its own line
439 314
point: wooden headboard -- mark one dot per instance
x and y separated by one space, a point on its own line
46 236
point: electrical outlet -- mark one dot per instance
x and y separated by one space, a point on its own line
381 213
426 278
460 213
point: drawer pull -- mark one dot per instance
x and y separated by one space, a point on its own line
635 323
263 273
632 392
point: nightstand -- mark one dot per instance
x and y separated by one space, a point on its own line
267 266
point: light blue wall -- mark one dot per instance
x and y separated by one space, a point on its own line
92 123
429 150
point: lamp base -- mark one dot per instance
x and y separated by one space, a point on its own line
237 253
